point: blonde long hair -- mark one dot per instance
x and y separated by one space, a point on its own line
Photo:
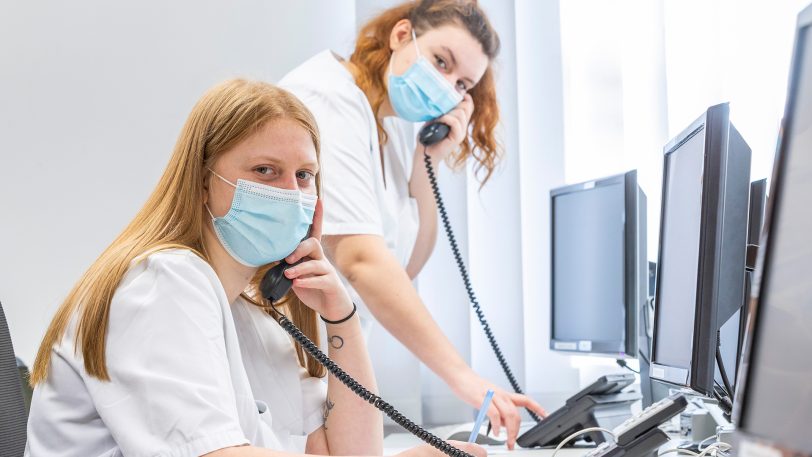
173 217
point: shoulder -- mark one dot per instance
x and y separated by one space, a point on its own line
326 87
179 265
167 285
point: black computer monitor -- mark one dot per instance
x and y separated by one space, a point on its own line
598 265
773 405
701 260
732 332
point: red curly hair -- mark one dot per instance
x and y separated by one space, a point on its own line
371 61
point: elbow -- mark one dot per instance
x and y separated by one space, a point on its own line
356 270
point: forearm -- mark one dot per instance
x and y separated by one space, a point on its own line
352 426
388 292
393 300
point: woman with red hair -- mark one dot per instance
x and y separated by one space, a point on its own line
420 61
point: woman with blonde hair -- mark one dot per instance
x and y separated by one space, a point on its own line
421 61
164 347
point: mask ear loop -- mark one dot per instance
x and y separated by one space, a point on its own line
414 40
416 48
224 179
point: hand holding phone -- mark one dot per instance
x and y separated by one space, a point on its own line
310 274
444 134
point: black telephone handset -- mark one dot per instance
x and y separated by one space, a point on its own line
273 287
432 133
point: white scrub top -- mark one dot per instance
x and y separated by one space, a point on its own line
361 196
189 374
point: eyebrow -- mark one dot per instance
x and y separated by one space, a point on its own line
454 63
274 161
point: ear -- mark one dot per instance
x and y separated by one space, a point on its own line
206 188
400 35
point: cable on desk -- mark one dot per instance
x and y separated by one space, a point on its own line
579 433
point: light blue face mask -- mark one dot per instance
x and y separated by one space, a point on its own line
264 223
421 93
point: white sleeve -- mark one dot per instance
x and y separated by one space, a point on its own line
170 391
347 164
314 396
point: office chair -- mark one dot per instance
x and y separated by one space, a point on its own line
13 418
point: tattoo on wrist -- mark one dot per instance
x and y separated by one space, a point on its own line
336 342
328 406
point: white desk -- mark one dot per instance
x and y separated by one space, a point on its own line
397 442
400 441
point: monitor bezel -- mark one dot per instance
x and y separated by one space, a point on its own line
762 273
632 199
714 124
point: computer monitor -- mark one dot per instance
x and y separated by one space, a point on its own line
598 265
701 259
732 332
773 406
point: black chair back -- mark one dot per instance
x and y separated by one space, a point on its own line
13 417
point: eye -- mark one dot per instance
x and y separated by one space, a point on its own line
461 86
304 175
264 170
441 64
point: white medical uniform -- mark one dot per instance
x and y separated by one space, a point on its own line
361 196
189 374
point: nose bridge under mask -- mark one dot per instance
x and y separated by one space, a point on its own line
421 93
264 223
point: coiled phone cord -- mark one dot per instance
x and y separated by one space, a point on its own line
452 240
376 401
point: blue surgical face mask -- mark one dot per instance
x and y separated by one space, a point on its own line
421 93
264 223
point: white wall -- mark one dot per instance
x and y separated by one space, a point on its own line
92 97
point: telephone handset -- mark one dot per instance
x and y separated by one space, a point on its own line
432 133
274 286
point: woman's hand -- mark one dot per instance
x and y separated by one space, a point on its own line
428 451
315 281
457 119
504 410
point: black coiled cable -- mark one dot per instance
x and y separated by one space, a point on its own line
362 391
452 240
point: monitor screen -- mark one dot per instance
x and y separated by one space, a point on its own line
778 401
679 252
588 265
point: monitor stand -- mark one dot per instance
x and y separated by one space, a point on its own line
705 424
601 404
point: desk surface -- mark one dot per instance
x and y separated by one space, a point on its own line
401 441
398 442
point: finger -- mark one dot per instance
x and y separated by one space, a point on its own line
311 267
315 228
496 420
527 402
471 448
454 124
510 418
466 107
313 282
307 248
